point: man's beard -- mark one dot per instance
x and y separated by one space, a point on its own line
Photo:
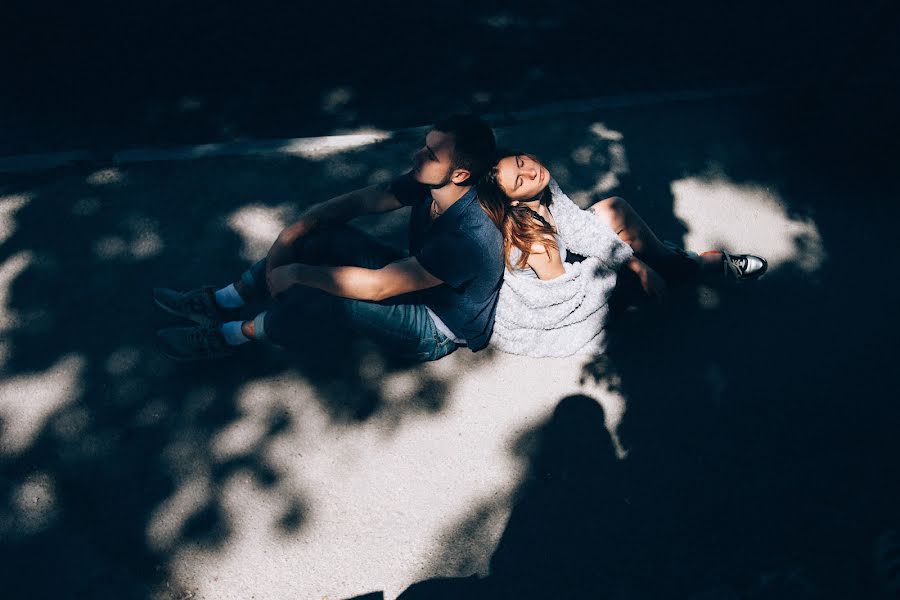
447 179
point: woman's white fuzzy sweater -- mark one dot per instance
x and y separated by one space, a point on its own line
566 315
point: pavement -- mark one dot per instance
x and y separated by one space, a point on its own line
737 442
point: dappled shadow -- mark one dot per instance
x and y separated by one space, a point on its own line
117 463
758 432
759 425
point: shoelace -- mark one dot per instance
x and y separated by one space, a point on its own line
195 303
740 262
203 337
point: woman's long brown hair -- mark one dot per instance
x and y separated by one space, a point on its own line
520 225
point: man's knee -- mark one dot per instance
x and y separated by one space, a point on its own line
313 246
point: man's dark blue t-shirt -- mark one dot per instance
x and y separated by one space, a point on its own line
464 249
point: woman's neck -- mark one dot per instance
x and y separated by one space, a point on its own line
536 206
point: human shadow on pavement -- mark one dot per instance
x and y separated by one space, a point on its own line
569 522
115 461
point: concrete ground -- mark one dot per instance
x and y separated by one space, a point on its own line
737 442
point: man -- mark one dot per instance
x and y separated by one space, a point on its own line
319 272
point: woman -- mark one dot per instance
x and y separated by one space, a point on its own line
549 307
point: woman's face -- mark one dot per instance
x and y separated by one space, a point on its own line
521 177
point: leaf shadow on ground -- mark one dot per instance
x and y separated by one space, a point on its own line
114 459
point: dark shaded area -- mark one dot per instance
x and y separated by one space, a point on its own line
101 76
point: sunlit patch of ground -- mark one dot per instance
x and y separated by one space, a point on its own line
106 177
258 226
323 147
745 218
9 205
10 269
28 401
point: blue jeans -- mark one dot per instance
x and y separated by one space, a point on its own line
402 328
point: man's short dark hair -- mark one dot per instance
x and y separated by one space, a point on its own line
474 143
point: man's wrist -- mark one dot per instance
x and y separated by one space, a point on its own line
292 233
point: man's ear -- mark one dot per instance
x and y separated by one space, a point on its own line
514 203
461 176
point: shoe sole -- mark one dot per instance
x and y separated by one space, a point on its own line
183 361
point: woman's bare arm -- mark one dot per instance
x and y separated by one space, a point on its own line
545 262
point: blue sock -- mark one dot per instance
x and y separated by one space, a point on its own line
228 297
233 335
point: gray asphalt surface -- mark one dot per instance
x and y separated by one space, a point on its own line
737 442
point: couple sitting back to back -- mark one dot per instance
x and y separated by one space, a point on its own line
450 287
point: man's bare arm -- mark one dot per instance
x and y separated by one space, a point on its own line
368 200
399 277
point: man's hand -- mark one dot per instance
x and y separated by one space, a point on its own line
651 281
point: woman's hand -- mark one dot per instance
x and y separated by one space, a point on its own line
282 278
651 281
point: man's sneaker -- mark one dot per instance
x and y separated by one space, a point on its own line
188 344
197 305
742 267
